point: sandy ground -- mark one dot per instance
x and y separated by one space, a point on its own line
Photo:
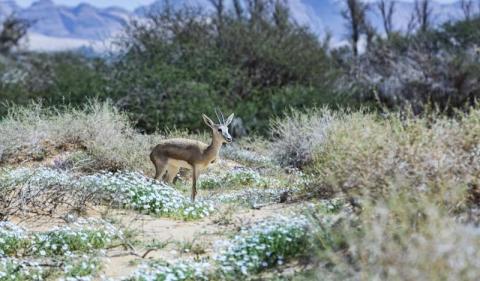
174 234
178 239
203 233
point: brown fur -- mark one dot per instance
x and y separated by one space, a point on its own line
172 154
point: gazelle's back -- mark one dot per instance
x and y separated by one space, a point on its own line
187 150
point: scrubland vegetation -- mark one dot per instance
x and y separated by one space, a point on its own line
413 186
377 196
356 165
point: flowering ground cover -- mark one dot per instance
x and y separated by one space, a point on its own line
248 243
267 243
71 250
123 189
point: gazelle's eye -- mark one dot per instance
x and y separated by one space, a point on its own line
220 130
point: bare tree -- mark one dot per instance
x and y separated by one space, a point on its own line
237 8
219 6
423 14
354 13
412 24
467 8
13 30
387 9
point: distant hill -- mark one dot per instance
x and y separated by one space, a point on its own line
86 24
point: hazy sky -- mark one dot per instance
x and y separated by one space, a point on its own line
128 4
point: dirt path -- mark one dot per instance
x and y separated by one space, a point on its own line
182 240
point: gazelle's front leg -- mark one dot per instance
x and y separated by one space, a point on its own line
195 174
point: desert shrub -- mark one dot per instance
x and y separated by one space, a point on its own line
256 197
12 269
181 270
249 151
104 133
298 134
73 267
84 266
405 236
39 192
13 239
135 191
412 184
366 155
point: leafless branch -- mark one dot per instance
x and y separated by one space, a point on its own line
387 9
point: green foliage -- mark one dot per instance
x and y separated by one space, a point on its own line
181 65
56 79
465 33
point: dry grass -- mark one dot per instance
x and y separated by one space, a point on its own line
298 134
366 156
415 185
105 134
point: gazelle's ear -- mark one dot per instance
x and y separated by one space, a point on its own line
229 119
207 121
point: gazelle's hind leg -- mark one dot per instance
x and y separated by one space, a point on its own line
160 164
172 171
195 174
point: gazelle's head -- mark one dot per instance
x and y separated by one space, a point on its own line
220 130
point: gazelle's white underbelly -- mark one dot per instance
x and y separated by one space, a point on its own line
179 163
184 164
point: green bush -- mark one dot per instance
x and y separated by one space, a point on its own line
54 78
256 65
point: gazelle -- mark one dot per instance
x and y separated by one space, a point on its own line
172 154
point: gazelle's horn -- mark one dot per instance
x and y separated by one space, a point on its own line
218 116
223 117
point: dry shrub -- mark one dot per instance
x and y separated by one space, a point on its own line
403 237
102 131
414 184
409 238
364 155
297 134
40 192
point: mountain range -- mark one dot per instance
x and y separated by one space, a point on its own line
58 27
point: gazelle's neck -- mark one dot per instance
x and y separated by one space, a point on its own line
214 147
